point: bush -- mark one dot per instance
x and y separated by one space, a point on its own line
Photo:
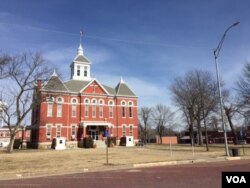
111 141
17 143
123 141
88 142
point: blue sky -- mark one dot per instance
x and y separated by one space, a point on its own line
148 43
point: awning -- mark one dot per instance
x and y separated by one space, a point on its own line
95 123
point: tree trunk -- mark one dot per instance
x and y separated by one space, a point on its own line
11 144
206 136
229 117
191 131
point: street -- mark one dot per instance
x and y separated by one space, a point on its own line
205 175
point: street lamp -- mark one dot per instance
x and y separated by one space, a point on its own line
216 54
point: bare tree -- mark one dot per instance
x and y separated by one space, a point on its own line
145 115
4 60
21 73
196 96
243 88
163 117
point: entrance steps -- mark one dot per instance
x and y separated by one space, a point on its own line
100 143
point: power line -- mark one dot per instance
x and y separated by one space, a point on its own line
103 37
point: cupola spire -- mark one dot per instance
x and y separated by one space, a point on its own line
80 49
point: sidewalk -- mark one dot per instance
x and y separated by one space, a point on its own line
30 163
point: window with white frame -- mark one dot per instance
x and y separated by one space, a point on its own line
58 130
93 107
78 70
59 107
130 130
123 104
85 71
50 110
101 103
48 131
74 105
86 107
73 132
123 130
111 109
130 108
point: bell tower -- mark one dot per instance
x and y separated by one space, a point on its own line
80 67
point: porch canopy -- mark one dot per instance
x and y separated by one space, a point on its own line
95 123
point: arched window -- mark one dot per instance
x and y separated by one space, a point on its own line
111 109
130 109
123 104
101 103
94 102
59 106
74 107
86 107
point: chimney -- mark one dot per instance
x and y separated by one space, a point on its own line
39 85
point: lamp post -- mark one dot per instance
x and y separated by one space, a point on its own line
216 54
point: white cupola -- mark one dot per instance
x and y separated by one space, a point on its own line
80 67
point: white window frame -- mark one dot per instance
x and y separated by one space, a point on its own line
73 129
58 130
131 130
124 130
48 131
50 109
74 107
111 109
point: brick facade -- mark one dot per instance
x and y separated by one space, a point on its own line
80 108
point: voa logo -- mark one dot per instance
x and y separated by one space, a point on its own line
236 179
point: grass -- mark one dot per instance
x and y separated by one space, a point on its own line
28 163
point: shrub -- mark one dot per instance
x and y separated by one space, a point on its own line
88 142
111 141
123 141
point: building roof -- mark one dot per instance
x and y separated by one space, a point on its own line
123 90
81 58
55 84
76 85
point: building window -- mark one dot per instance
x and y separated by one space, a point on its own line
85 71
101 103
101 111
73 132
58 131
123 103
86 110
50 110
93 107
48 132
59 107
131 130
130 108
124 130
86 107
78 70
73 112
93 110
111 109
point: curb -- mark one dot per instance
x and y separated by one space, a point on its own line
185 162
168 163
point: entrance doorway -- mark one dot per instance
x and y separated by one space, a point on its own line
94 134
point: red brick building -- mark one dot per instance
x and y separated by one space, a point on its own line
82 107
